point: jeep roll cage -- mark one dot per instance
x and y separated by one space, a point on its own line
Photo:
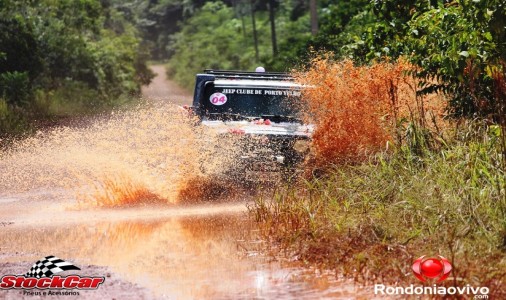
248 75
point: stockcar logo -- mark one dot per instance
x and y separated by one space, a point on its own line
431 268
42 276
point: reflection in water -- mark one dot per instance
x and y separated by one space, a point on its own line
197 257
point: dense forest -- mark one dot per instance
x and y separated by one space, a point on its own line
69 56
61 58
459 46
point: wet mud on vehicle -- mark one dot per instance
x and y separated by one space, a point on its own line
262 111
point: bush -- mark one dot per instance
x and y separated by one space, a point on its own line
58 53
15 88
10 120
72 98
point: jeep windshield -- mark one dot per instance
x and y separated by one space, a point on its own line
235 101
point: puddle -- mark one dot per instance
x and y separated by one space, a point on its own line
183 257
107 197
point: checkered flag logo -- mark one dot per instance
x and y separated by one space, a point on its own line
48 266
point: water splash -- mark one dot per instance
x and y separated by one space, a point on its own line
144 155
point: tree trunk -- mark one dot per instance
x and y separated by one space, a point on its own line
239 11
272 18
243 27
255 37
314 17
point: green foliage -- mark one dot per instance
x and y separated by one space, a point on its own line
71 98
113 76
156 21
459 46
15 87
341 24
213 38
294 38
220 35
44 45
11 121
362 220
18 41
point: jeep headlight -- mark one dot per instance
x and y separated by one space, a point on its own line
301 146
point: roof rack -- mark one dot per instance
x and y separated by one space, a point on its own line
248 75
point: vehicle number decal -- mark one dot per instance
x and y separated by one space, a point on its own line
218 99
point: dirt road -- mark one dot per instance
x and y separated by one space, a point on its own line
144 249
162 89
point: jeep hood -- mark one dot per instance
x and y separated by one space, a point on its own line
275 129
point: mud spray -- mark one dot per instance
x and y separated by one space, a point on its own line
149 154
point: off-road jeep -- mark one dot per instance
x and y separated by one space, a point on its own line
263 109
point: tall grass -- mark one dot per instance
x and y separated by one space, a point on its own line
371 220
437 189
11 120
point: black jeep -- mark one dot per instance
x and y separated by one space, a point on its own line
263 109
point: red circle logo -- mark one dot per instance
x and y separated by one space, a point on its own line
432 268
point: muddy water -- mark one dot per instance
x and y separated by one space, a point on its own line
148 153
107 198
209 251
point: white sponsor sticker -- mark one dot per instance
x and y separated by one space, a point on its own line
218 99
